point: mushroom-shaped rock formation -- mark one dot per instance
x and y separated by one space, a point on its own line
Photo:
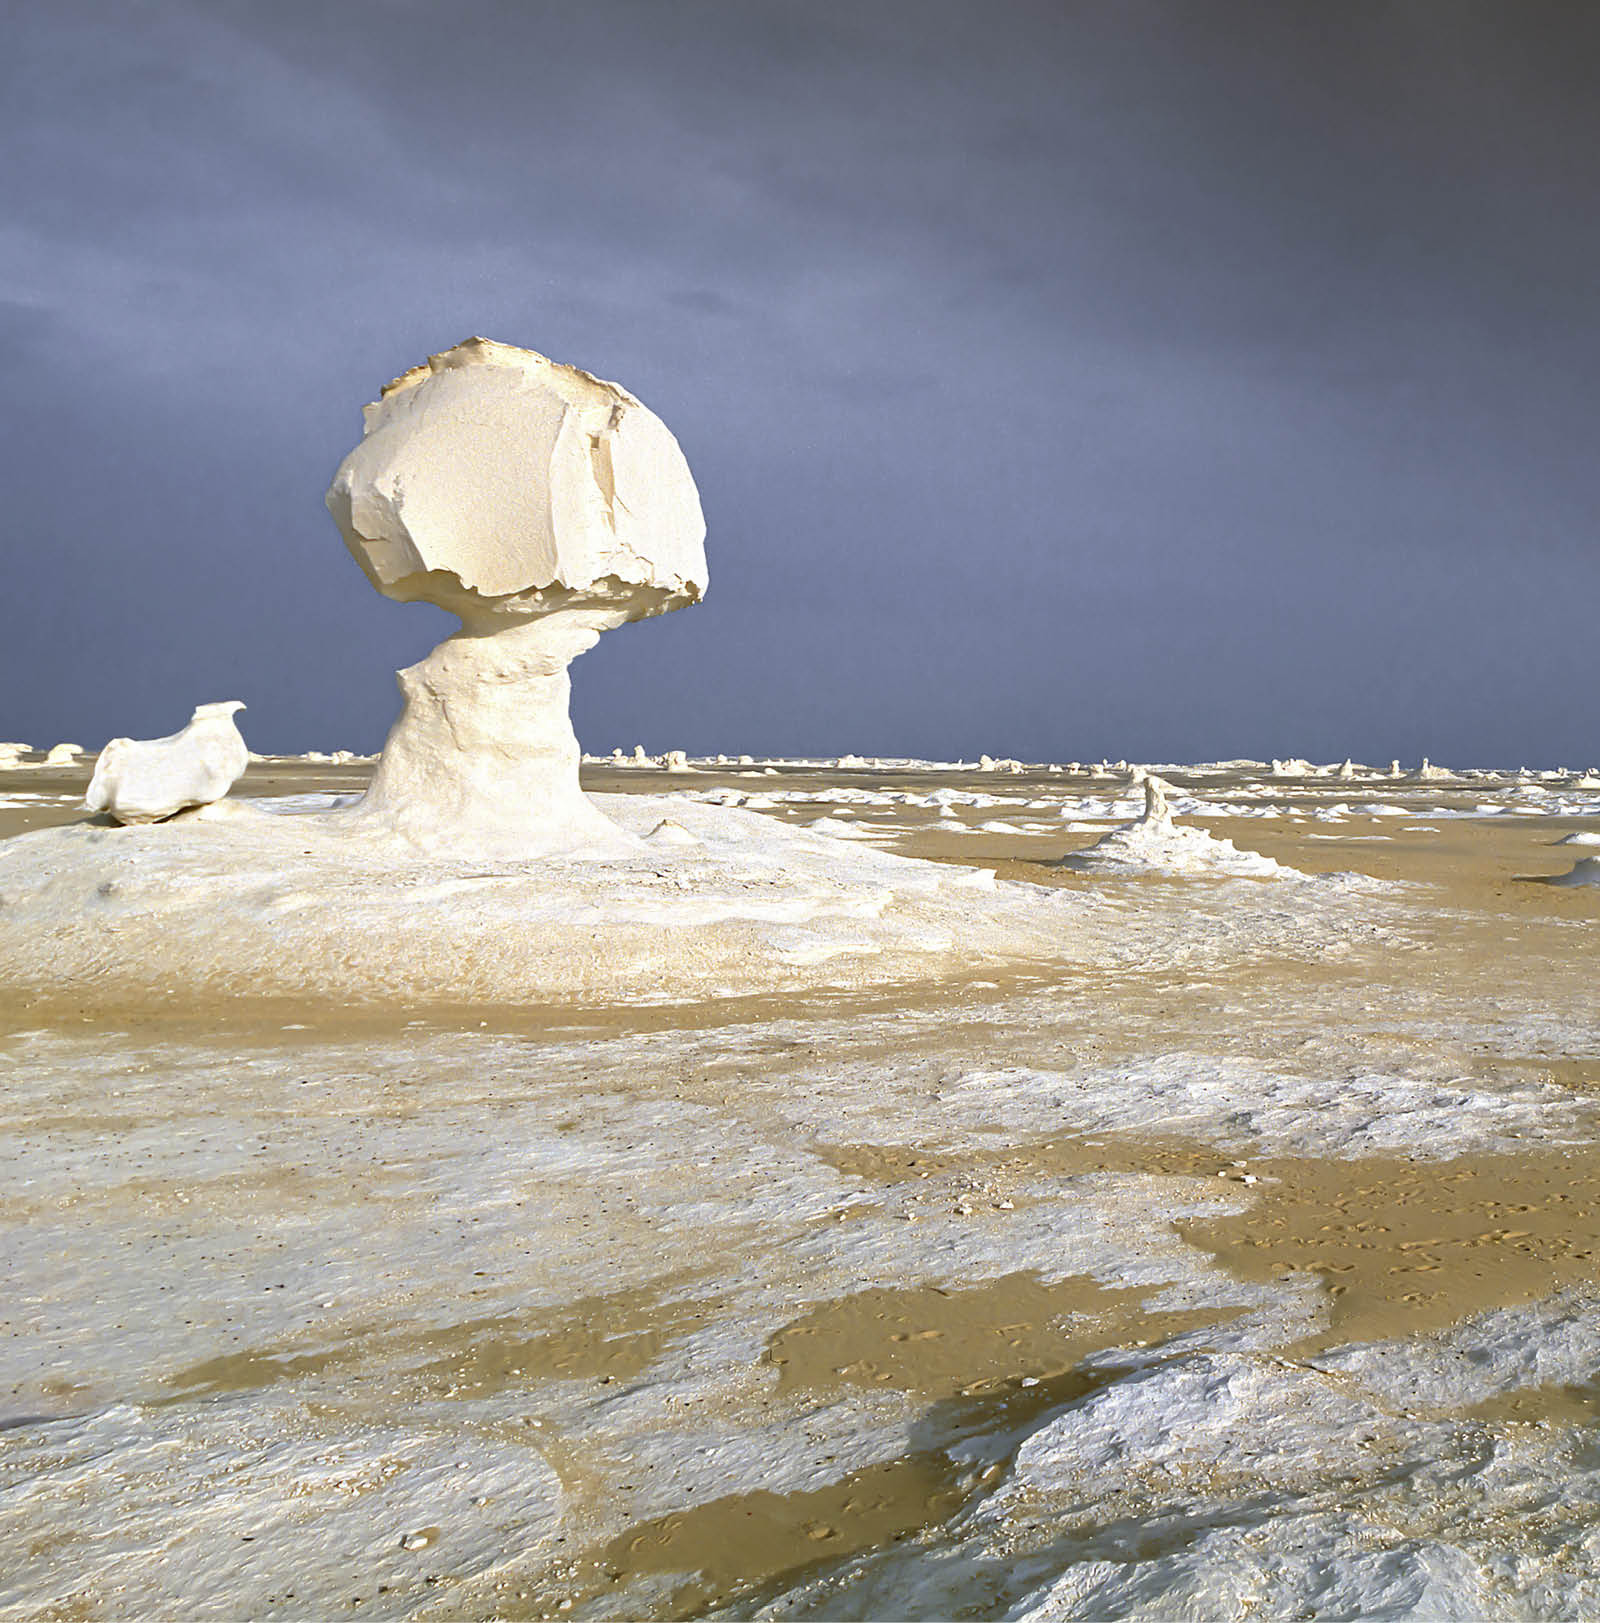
140 780
543 506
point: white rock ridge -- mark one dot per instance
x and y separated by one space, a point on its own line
141 780
543 506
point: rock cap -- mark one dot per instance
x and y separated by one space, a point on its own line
493 481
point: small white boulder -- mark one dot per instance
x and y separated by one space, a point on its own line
141 780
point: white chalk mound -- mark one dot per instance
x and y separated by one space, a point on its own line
1154 844
141 780
292 898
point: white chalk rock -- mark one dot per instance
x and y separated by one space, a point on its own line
63 755
544 507
1157 810
140 780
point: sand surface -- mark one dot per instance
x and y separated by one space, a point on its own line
1244 1266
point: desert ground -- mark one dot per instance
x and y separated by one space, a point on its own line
1240 1264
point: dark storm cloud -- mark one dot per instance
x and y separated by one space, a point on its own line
1163 380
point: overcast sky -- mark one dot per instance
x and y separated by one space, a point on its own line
1062 378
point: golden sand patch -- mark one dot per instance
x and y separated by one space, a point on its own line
1405 1247
611 1338
947 1343
732 1545
247 1370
